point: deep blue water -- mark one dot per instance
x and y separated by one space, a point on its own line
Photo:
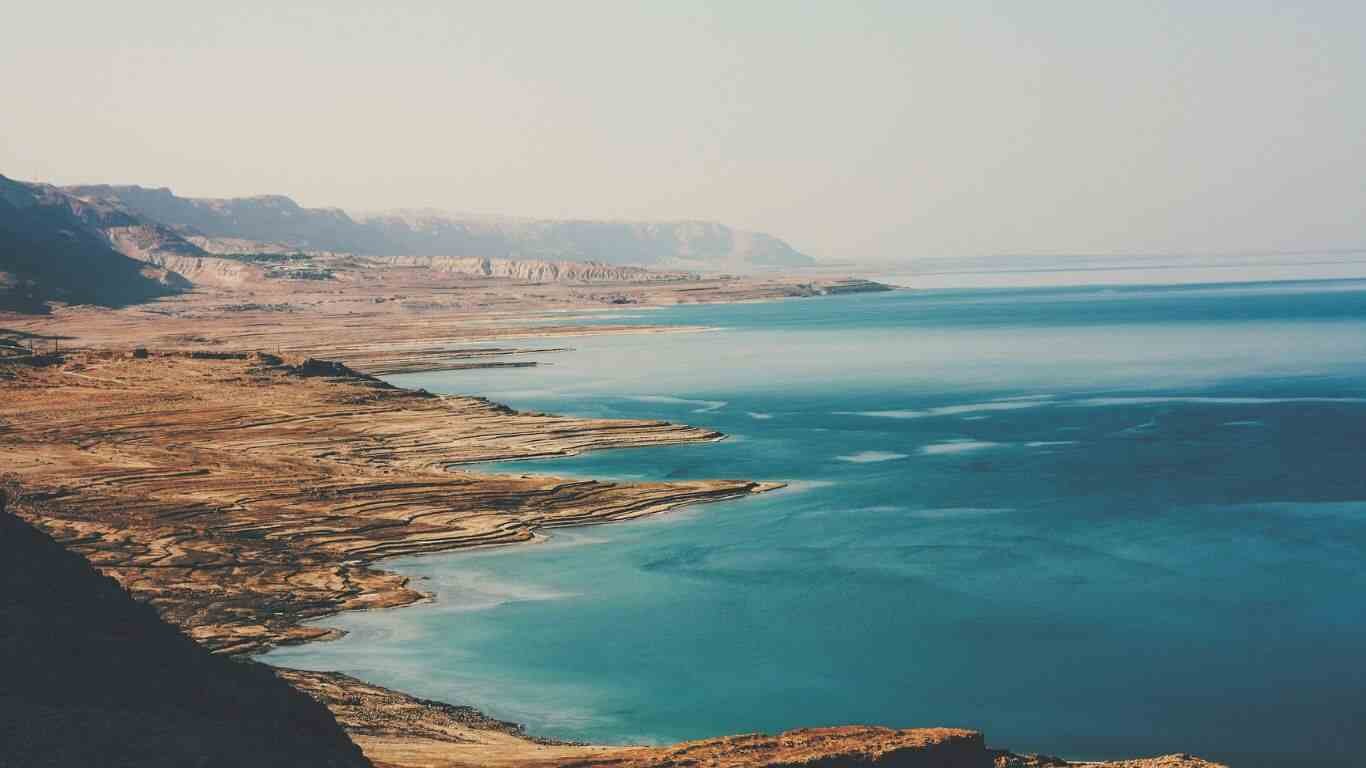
1095 522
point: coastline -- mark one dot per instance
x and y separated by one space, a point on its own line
279 444
139 498
337 472
539 535
373 318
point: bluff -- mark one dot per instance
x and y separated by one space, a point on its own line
58 247
688 245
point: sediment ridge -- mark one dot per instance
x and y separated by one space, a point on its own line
243 495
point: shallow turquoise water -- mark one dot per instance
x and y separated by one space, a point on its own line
1089 521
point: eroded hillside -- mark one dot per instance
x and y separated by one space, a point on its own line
54 247
691 245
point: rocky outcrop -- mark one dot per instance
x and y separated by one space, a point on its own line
207 270
56 247
90 677
143 241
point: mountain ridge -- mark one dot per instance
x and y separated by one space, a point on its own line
55 246
684 244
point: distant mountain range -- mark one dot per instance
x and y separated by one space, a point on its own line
693 245
119 245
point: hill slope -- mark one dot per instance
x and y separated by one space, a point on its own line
56 247
90 677
276 219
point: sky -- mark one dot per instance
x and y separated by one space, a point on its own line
863 131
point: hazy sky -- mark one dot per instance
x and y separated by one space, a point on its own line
852 129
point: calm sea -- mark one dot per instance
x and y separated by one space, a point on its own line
1091 521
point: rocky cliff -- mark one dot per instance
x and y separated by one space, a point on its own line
90 677
208 270
58 247
276 219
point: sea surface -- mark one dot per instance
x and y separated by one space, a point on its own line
1095 521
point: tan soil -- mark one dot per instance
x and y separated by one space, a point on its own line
243 496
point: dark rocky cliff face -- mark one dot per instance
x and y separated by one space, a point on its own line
88 677
53 247
266 218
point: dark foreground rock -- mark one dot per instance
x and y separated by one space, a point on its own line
89 677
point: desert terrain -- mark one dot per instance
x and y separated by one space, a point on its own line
228 456
243 493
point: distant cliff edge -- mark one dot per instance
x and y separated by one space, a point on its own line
681 245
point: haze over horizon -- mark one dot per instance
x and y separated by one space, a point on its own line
871 132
